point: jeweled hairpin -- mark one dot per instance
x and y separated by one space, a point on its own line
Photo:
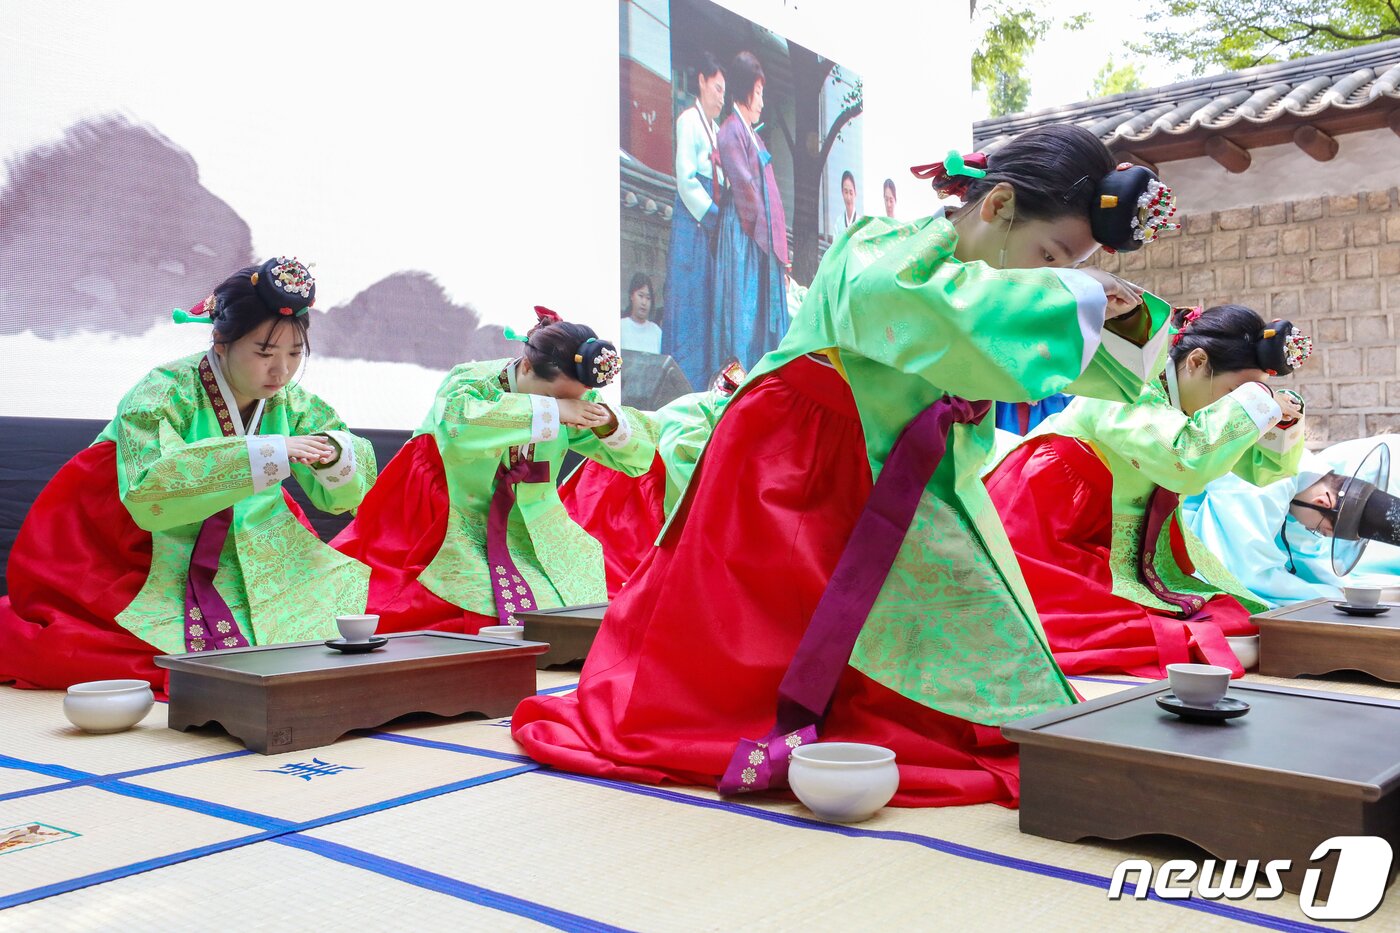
1156 205
292 277
1297 347
607 366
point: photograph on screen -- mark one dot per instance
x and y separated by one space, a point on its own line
740 163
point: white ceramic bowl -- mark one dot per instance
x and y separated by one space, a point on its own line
1199 684
1363 595
503 631
1246 648
356 629
843 782
102 706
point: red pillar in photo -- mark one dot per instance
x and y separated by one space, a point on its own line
647 122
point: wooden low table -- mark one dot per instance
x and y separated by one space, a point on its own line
569 631
1298 769
284 698
1313 637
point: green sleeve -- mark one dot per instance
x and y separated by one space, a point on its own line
629 449
473 421
338 486
1122 365
966 328
1278 454
685 426
164 481
1176 451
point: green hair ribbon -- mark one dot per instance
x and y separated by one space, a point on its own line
513 334
180 316
954 165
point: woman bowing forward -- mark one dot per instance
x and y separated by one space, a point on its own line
465 527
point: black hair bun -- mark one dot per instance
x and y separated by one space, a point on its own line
1130 208
285 285
1282 348
597 363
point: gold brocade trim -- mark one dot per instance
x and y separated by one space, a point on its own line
947 631
216 469
510 411
1239 426
299 586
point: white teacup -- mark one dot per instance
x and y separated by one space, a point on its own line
356 629
844 782
503 631
1199 684
1246 648
1363 596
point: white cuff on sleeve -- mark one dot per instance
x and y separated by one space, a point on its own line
267 454
1282 440
1259 403
1092 302
1141 361
619 438
340 472
544 423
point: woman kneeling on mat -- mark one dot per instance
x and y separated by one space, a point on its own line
465 527
1090 500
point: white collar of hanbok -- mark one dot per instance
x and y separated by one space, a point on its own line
235 415
510 376
1173 393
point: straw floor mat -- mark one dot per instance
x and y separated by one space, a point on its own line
437 824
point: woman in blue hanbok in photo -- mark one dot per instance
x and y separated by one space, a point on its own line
751 262
690 265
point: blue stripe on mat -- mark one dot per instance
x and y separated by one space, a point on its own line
952 848
272 827
92 779
432 881
449 746
416 796
554 690
1110 680
1229 911
113 874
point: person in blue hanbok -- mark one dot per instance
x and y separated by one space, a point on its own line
1277 542
751 261
1022 417
690 265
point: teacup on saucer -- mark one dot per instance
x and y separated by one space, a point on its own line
1199 684
357 629
1362 597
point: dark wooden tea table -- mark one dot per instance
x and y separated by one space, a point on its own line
1298 769
1314 637
284 698
569 631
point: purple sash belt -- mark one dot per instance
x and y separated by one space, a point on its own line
825 649
209 623
507 585
1173 635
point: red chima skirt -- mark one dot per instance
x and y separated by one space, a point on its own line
691 653
624 513
398 530
77 563
1054 496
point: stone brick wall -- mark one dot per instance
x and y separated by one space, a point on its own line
1331 265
